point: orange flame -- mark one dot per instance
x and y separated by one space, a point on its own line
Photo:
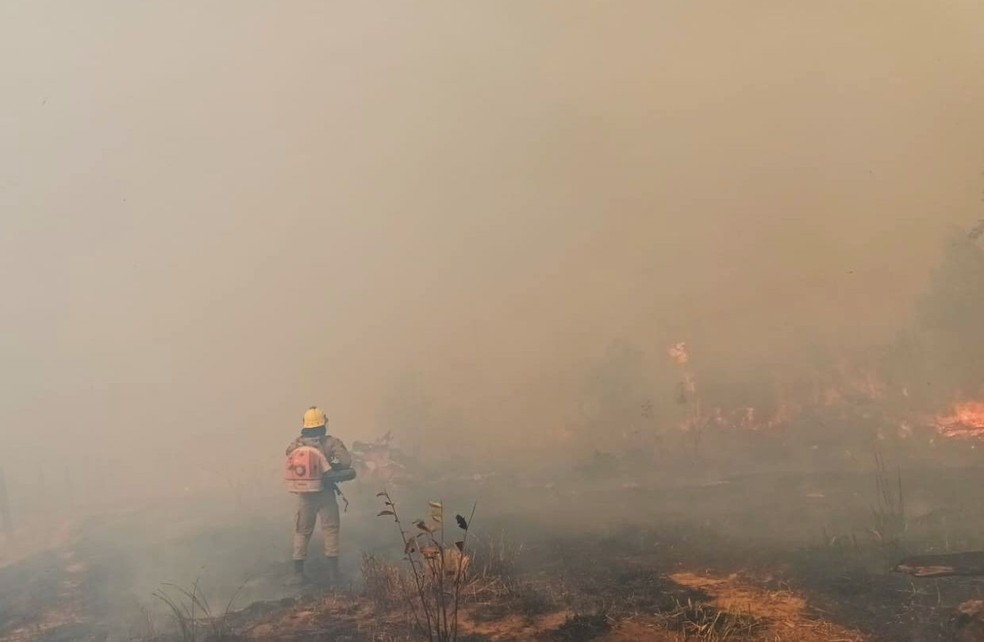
966 422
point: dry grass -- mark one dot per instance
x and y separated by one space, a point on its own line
384 582
193 614
888 510
700 621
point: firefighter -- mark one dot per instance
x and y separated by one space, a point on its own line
323 504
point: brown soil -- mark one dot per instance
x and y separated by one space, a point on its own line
779 616
696 564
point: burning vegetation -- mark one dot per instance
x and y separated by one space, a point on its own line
966 422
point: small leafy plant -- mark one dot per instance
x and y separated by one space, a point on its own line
438 564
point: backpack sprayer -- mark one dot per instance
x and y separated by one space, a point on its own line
309 471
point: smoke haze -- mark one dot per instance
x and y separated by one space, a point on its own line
216 214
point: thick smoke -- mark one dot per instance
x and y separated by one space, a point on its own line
477 227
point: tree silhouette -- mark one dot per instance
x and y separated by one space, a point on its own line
950 317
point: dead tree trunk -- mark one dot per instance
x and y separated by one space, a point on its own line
69 489
6 521
947 565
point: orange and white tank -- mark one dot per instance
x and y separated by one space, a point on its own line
304 470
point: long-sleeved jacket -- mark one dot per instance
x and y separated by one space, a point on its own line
334 450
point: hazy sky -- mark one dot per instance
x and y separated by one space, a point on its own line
213 214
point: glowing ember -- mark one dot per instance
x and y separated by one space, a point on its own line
967 421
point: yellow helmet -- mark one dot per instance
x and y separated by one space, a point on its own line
315 418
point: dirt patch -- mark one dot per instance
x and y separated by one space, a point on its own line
349 617
41 597
514 626
332 617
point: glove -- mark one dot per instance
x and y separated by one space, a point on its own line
336 475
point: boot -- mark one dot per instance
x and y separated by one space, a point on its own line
334 577
297 578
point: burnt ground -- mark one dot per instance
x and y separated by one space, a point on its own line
778 556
